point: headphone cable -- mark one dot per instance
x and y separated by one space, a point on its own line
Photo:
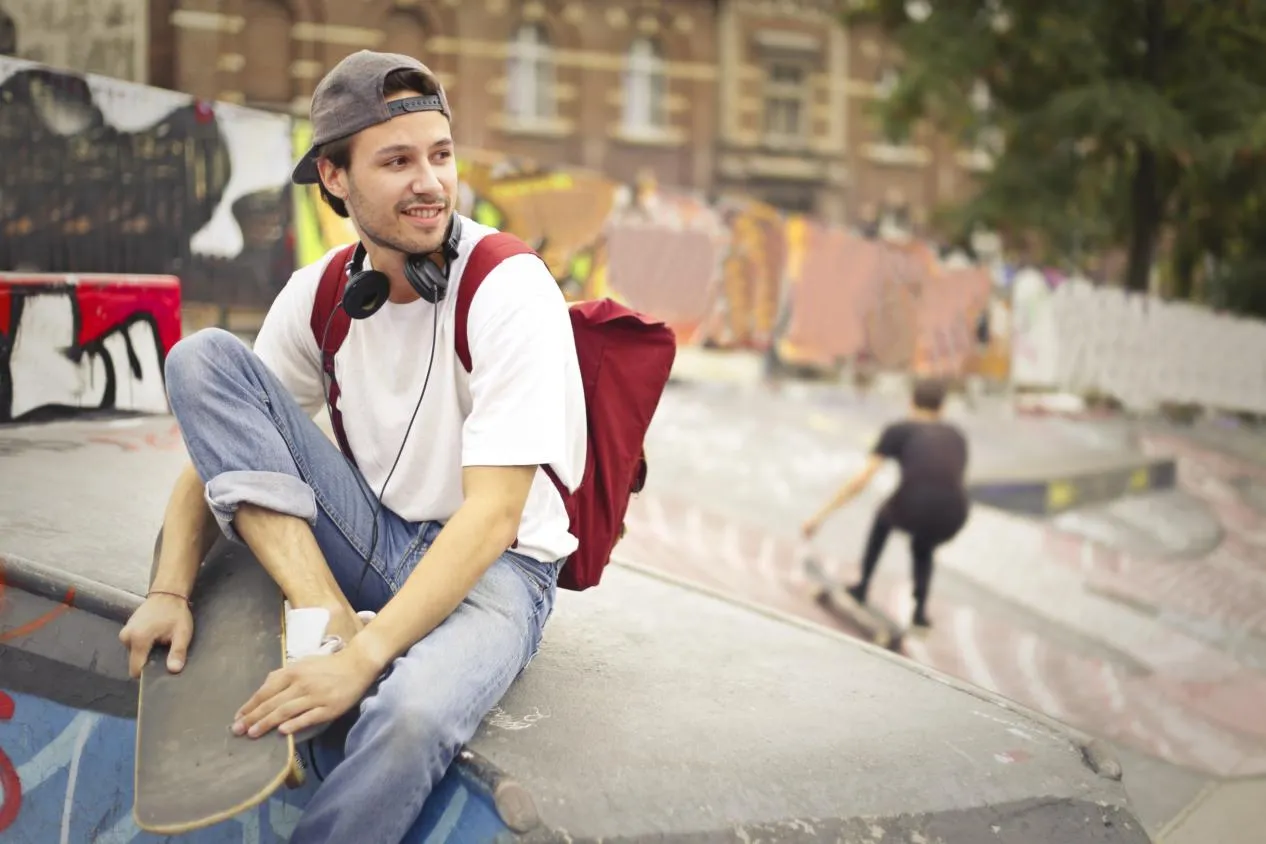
377 505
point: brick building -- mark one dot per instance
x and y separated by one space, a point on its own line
764 97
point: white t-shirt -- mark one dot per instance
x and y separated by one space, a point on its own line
521 404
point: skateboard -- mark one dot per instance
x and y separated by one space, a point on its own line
878 626
191 770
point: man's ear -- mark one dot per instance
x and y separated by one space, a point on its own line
333 178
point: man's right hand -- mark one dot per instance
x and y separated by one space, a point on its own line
161 619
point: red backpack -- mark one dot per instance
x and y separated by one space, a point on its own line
625 360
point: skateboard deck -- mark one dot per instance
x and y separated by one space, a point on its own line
191 770
878 626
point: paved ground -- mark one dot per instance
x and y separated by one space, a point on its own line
1143 622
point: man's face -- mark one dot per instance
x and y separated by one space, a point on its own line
402 181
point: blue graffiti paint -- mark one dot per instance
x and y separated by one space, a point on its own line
76 768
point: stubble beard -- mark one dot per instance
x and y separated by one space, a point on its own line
369 224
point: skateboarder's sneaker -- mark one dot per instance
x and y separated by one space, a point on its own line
858 592
921 621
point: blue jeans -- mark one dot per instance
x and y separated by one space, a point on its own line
252 443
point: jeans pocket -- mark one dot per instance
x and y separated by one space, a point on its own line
541 577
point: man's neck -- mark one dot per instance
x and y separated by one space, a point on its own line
391 263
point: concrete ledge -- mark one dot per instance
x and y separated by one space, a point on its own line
712 366
1047 491
575 750
59 638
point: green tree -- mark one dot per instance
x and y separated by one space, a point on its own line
1115 123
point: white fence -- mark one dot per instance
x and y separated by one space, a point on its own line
1139 349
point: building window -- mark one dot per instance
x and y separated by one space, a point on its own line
266 79
785 103
530 75
645 89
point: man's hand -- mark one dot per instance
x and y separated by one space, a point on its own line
161 619
309 692
811 527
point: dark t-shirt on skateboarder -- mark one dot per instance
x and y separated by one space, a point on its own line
931 498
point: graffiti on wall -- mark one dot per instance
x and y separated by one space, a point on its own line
85 343
105 176
67 774
660 252
109 37
885 304
1139 349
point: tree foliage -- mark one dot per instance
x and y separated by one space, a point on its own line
1130 124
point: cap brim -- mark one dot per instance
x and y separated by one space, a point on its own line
305 172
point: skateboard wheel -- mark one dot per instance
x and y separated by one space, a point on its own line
515 806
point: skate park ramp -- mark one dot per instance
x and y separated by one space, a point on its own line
1048 486
1047 466
1094 479
653 710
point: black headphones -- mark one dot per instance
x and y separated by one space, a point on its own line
367 290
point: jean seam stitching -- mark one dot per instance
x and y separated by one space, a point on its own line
539 587
414 544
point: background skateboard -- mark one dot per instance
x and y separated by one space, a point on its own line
191 771
832 596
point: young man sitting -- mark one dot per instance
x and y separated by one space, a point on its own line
424 571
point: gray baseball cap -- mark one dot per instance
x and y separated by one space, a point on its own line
349 99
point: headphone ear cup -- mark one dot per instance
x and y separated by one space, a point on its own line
428 280
365 293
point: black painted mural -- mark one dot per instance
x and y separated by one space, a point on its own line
79 194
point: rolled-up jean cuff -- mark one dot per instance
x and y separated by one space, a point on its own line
275 491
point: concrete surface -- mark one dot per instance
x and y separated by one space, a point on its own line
781 704
1220 812
652 711
1139 621
1170 523
694 365
112 476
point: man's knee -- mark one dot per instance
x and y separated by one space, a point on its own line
411 729
198 358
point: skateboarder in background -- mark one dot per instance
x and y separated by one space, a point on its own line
930 503
422 617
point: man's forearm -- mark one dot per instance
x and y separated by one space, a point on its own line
477 534
850 489
189 531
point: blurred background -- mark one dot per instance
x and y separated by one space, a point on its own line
1058 207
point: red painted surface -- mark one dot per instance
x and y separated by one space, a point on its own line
105 301
58 363
9 781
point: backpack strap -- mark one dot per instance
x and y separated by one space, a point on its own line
490 251
327 313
